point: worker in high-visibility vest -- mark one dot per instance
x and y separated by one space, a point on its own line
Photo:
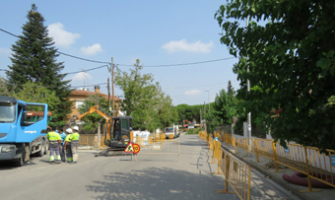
67 145
55 143
63 136
74 143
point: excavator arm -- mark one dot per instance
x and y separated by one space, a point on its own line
102 114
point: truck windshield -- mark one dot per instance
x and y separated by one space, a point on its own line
7 112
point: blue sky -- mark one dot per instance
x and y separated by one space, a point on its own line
156 32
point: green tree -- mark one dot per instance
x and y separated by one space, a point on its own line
34 92
34 60
224 107
91 120
290 62
230 90
139 94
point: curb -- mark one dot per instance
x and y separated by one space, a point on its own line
281 182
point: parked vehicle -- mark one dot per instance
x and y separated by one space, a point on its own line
169 132
23 128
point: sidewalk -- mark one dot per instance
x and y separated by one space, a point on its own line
266 166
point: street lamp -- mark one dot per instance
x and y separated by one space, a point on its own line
209 101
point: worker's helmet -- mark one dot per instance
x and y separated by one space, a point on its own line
76 128
69 130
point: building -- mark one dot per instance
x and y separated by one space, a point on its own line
79 96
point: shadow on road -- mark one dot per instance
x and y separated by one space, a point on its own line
156 183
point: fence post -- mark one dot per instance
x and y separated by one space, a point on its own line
227 172
256 151
310 189
275 154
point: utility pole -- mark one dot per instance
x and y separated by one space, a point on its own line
109 94
248 88
112 67
200 119
209 103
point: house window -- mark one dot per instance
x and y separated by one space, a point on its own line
79 103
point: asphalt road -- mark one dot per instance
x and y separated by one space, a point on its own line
150 177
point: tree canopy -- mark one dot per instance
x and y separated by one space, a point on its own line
34 60
144 100
291 64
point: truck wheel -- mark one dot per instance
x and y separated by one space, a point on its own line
19 162
41 153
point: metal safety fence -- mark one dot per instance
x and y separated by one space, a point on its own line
237 174
160 147
89 141
310 161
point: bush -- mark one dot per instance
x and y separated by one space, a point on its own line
194 131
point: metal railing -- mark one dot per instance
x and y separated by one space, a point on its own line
237 173
308 160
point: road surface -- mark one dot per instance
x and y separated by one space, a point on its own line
151 177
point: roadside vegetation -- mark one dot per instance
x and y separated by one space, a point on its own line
194 131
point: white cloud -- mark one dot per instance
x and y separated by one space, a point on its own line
183 45
81 76
61 37
193 92
90 50
5 51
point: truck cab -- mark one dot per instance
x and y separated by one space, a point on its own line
20 136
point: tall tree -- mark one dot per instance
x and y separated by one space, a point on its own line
230 89
291 62
139 94
34 60
224 107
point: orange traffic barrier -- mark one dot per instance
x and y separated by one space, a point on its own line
307 160
237 175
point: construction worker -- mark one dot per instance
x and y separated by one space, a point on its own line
54 145
74 143
67 145
62 151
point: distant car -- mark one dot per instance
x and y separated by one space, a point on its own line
169 132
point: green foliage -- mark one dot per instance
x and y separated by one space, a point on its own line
211 121
36 93
194 131
291 65
91 120
144 100
189 113
225 106
34 60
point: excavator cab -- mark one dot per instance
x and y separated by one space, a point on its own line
121 133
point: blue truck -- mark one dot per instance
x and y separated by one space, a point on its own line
23 129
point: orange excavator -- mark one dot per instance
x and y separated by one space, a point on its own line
119 129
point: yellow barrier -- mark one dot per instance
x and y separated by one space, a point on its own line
237 175
307 160
91 141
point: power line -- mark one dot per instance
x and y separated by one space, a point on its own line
173 65
95 61
53 86
192 86
82 58
88 69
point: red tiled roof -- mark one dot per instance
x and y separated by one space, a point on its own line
90 93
